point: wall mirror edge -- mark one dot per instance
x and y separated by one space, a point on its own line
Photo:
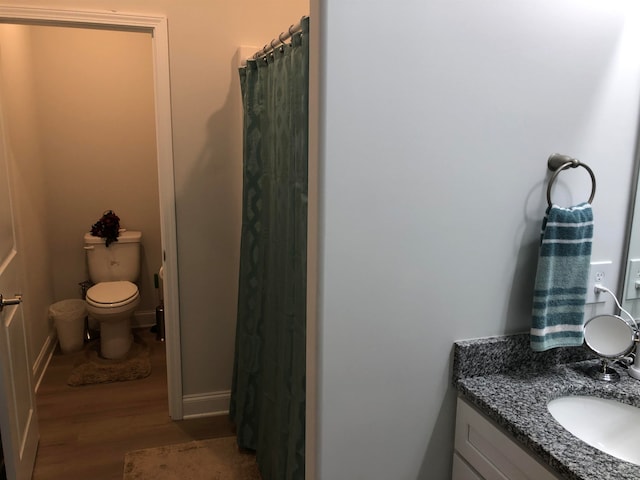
632 236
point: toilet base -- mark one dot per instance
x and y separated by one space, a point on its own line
115 338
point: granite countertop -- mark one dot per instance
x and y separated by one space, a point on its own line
512 385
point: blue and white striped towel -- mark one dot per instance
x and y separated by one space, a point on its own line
562 277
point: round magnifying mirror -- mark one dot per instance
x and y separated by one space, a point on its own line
609 336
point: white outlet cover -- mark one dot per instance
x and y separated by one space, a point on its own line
600 272
633 274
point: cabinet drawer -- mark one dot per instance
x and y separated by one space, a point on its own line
490 452
461 470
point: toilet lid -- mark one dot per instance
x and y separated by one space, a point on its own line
112 292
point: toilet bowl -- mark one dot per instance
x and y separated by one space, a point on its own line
112 304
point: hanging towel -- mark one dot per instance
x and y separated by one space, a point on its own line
562 277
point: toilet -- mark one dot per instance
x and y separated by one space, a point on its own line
114 297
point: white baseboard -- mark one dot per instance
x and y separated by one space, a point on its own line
44 358
206 404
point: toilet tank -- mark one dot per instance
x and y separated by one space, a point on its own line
119 261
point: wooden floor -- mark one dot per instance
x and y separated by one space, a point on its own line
85 431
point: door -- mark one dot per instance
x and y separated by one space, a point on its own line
18 417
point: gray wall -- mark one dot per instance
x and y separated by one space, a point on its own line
436 123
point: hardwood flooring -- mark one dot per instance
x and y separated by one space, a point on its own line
86 431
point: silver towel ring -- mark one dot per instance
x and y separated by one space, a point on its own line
558 162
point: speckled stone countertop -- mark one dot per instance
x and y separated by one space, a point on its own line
512 385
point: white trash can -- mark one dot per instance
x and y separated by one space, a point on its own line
68 317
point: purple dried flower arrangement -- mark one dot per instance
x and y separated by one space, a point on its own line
108 227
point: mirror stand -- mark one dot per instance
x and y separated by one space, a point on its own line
612 339
604 372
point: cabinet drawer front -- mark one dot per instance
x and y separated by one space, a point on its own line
491 452
462 471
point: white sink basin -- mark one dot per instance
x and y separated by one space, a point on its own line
605 424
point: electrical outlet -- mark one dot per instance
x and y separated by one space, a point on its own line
633 276
600 273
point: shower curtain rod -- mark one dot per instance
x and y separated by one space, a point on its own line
276 42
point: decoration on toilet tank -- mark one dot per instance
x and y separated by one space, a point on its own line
108 227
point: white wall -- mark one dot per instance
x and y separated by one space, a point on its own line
94 96
437 120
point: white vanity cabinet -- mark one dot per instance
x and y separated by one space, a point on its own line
484 452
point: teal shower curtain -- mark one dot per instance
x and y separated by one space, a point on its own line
268 390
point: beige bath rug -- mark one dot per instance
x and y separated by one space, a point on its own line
216 459
91 368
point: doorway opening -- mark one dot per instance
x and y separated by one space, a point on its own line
154 29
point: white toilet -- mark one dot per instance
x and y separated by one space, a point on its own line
114 297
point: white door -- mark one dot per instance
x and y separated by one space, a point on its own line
18 417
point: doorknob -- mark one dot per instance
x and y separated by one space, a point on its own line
12 301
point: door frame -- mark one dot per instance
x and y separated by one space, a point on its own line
156 25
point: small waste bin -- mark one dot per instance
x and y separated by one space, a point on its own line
68 317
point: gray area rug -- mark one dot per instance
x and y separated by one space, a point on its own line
91 368
215 459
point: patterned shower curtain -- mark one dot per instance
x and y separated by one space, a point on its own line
268 391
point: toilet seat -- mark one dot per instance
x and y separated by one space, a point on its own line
112 294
